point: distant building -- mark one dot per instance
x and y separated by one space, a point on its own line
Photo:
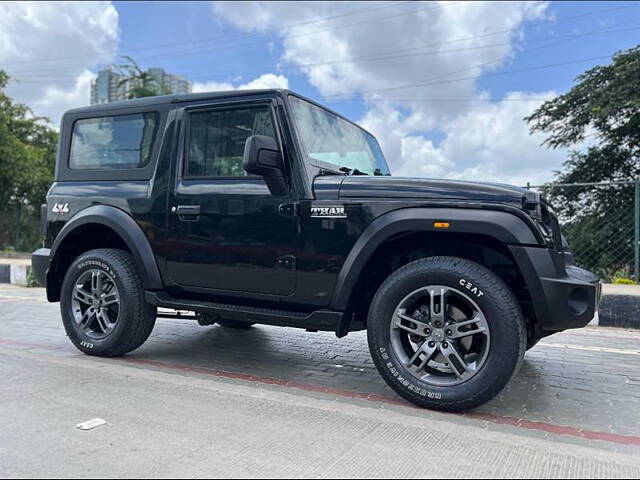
175 83
108 86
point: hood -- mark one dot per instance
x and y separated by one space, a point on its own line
421 189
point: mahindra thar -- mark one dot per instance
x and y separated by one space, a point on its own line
264 207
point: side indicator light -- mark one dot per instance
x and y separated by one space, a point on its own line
441 224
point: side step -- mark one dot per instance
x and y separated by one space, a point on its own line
326 320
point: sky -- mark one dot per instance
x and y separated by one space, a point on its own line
444 86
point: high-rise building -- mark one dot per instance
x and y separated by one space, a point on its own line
110 86
173 83
106 87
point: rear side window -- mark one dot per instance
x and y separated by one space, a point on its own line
217 138
114 142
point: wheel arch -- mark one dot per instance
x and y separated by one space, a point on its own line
412 232
100 226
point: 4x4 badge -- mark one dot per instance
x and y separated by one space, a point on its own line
328 212
60 208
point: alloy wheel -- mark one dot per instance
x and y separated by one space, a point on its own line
440 335
95 303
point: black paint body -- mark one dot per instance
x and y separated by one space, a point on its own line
254 250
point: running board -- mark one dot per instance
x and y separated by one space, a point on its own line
326 320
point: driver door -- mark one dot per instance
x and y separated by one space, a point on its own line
226 232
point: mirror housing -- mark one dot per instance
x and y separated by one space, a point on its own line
263 157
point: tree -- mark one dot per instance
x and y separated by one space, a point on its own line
27 159
142 83
604 105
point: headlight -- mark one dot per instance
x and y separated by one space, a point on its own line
547 233
537 207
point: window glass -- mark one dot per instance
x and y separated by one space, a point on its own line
330 139
217 138
117 142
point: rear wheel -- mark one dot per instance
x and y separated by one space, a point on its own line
102 304
446 333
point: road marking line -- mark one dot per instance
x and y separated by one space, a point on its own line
591 348
371 397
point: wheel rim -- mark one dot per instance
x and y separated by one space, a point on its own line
440 335
95 303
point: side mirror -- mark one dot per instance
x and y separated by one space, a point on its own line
263 157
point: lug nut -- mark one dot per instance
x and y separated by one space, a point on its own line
427 331
432 344
445 345
449 332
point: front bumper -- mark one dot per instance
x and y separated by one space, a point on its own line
563 295
40 265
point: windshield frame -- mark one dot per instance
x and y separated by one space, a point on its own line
320 164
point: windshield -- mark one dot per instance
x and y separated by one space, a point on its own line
330 139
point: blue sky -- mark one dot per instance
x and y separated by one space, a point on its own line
544 42
443 85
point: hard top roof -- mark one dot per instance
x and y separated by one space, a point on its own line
167 99
189 97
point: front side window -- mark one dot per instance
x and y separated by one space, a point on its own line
216 140
115 142
328 138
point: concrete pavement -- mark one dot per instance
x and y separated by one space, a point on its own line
272 402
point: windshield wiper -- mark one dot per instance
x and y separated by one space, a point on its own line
331 171
352 171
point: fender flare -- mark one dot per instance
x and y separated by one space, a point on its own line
504 226
126 227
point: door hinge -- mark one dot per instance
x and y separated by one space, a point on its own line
289 209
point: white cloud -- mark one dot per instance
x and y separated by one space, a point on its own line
394 45
62 99
268 80
440 49
48 48
489 142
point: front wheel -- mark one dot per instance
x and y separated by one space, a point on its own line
446 333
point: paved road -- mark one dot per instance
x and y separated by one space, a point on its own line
272 402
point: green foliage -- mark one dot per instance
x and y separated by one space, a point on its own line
623 281
27 158
606 100
31 278
603 105
143 83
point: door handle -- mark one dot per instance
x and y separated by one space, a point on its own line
188 213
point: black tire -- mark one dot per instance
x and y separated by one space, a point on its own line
532 342
135 319
498 305
235 324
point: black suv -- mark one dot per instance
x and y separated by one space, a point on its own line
264 207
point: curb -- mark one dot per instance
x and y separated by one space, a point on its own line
620 309
14 274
